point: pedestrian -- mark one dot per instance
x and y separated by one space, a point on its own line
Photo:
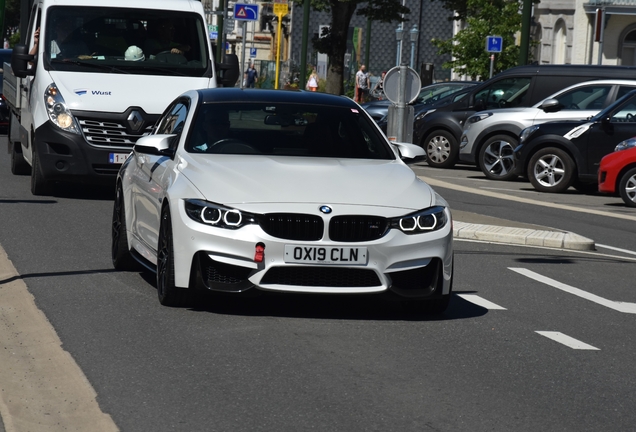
312 82
362 85
252 76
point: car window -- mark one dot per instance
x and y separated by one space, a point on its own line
173 120
286 130
436 92
585 98
623 90
504 93
626 113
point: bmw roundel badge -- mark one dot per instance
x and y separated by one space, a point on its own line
325 209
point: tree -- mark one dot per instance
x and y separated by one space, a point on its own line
334 41
468 47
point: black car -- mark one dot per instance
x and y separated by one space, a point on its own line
557 155
5 56
429 94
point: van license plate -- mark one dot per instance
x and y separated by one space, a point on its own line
118 158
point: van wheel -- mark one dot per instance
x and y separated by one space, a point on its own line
19 166
551 170
627 188
496 157
39 185
441 149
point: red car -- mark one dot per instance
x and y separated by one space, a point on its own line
617 173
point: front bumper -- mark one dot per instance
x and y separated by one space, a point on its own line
411 266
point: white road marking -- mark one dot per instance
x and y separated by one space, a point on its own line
623 307
434 182
480 301
567 340
616 249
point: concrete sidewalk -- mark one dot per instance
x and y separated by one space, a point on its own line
473 226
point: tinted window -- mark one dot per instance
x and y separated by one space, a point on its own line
287 130
173 121
626 113
505 93
623 90
585 98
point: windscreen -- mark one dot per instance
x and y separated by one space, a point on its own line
286 130
116 40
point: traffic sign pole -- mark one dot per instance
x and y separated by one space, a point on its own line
278 32
492 64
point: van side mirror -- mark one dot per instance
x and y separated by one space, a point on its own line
551 105
228 71
20 59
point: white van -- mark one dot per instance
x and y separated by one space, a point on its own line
97 79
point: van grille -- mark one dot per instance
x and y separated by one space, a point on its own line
109 133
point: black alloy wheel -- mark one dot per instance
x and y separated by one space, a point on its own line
120 251
496 158
169 294
551 170
441 149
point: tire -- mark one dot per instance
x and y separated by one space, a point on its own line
19 166
120 251
441 149
551 170
169 294
39 185
496 158
627 188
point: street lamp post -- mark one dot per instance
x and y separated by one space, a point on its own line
399 34
413 34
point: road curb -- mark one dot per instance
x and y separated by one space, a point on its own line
522 236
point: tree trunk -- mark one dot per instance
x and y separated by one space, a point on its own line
341 13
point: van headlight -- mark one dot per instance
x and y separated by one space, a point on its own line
430 219
58 112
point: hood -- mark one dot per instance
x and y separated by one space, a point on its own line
235 179
117 92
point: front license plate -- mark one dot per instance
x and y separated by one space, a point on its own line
325 255
118 158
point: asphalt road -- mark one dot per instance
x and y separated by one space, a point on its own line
291 363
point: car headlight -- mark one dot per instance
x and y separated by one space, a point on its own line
627 144
525 134
421 115
217 215
478 117
58 112
430 219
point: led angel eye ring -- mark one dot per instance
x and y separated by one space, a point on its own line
427 228
228 223
211 222
408 229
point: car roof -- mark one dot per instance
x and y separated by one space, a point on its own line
262 95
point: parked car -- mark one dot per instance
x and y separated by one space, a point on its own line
439 130
5 57
240 190
557 155
491 136
428 95
617 173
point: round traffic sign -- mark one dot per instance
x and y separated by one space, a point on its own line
392 85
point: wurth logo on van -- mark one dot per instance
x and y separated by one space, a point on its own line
82 92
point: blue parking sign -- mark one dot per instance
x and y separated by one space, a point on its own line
252 52
494 43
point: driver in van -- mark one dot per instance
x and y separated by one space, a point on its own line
161 39
64 45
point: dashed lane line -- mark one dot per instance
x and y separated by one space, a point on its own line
480 301
623 307
567 340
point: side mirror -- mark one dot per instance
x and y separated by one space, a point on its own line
228 71
550 105
158 145
20 59
480 105
409 151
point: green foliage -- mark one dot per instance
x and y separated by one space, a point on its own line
14 39
468 47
